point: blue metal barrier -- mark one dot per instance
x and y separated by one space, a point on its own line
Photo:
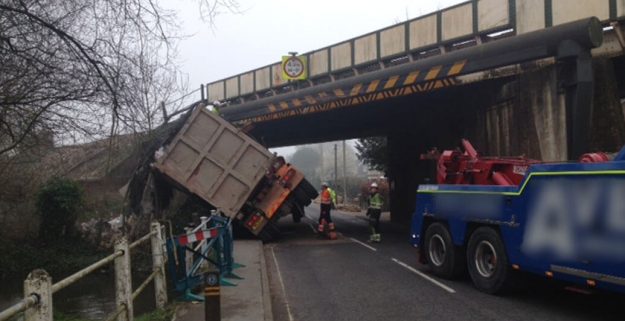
210 243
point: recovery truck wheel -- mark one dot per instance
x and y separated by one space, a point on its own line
443 257
487 261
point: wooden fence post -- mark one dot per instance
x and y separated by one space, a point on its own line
39 283
123 280
158 264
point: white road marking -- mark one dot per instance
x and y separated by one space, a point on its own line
363 244
286 301
421 274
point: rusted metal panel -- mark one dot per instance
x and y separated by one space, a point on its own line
393 41
216 91
365 49
247 83
457 22
423 32
492 14
263 78
318 61
213 160
276 75
232 87
341 56
530 15
565 11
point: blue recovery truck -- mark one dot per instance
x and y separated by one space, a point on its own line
563 221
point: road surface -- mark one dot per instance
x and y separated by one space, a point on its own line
349 279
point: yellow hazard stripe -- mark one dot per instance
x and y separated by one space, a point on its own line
355 90
272 108
373 86
433 73
412 77
284 105
391 82
456 68
339 92
296 102
310 100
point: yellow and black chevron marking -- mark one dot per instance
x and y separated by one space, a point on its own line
417 81
211 291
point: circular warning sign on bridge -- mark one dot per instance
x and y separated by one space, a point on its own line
293 67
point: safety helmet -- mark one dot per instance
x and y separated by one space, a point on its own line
374 185
324 184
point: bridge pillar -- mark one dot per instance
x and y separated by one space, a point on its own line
608 120
546 129
405 172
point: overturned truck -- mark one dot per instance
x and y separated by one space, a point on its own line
206 156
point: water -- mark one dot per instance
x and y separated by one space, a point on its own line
90 298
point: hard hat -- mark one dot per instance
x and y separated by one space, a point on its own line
324 184
374 185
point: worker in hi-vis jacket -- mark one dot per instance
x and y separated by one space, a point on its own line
376 201
328 199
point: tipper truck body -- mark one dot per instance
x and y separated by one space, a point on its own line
225 167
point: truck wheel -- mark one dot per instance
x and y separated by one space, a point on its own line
297 212
487 260
310 190
301 196
443 257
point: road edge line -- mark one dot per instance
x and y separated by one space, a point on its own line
421 274
268 310
363 244
286 300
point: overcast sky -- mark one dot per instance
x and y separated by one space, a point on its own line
263 31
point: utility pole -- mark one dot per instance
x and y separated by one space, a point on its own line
344 176
322 174
336 179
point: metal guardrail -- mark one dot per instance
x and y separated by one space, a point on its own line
207 247
38 303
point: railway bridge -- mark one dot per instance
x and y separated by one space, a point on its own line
540 78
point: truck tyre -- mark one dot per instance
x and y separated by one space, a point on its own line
443 257
487 261
301 196
310 190
297 212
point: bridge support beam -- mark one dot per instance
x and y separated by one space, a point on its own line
578 82
404 172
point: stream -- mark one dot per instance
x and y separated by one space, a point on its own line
90 298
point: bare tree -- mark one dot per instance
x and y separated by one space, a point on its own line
85 69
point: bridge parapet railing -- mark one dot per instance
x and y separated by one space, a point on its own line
37 304
465 24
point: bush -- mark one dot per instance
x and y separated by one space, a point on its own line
58 202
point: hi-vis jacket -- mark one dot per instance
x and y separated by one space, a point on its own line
376 201
328 196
